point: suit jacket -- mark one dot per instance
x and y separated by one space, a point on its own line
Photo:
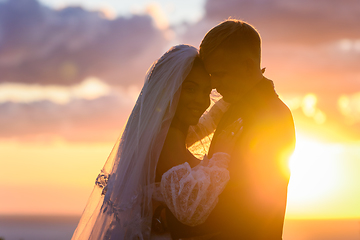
252 205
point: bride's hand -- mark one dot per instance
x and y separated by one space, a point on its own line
226 139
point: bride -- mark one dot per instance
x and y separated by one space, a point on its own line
151 166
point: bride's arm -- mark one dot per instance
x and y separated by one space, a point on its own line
192 193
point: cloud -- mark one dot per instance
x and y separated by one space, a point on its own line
321 69
99 119
63 47
300 21
71 73
90 88
160 19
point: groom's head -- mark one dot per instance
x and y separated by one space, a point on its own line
231 52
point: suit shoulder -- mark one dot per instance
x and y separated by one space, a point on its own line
275 108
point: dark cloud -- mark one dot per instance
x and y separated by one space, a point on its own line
301 21
46 46
99 120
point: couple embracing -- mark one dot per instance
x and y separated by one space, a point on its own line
153 187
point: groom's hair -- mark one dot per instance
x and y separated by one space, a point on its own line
233 35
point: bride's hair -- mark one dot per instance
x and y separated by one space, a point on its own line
120 204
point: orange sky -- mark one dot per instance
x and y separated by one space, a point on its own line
57 177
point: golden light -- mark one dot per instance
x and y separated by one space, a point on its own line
315 175
349 106
310 109
308 104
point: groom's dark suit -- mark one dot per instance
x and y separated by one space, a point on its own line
252 206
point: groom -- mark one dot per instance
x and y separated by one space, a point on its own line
252 206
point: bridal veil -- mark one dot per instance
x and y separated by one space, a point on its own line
120 206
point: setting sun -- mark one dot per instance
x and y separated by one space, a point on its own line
317 178
314 171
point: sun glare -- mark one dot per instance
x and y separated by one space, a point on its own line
314 172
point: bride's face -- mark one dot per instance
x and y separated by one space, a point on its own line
194 97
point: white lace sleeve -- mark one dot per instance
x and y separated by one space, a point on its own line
192 193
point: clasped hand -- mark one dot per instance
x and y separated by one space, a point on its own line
226 140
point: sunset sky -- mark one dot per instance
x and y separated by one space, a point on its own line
71 70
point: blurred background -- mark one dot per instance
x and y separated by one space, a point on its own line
71 70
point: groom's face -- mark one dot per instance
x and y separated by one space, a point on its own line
229 73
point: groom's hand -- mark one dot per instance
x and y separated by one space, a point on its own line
226 140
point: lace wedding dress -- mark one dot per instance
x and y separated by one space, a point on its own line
192 193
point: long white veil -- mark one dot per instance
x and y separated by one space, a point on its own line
120 206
